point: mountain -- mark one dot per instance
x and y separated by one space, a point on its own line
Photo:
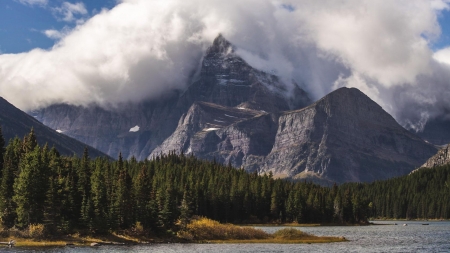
14 123
343 137
136 129
439 159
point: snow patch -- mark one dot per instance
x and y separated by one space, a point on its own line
230 116
135 129
218 120
242 108
233 81
59 131
212 129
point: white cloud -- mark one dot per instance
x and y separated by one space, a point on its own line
53 34
142 48
70 12
440 4
57 35
33 2
443 55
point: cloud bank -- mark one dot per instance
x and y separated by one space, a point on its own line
141 49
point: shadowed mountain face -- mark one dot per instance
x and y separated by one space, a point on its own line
136 129
343 137
14 123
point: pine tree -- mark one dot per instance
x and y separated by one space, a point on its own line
2 150
185 210
29 142
27 189
99 194
9 171
142 190
123 198
84 188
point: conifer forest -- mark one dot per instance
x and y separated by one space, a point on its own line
66 194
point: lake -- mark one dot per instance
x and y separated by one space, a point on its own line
415 237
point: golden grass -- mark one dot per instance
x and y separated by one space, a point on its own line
206 229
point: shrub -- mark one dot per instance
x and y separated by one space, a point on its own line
36 231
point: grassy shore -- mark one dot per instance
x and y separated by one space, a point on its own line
201 230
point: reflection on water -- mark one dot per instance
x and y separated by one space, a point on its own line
415 237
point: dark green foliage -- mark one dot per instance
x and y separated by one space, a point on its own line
70 193
2 150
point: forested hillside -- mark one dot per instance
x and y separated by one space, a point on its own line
65 194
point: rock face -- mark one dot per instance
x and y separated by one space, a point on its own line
343 137
224 78
441 158
14 123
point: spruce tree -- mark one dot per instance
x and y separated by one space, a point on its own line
2 150
27 188
9 171
84 188
99 194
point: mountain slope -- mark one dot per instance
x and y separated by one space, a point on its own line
224 78
14 123
343 137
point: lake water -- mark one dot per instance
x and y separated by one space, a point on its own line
415 237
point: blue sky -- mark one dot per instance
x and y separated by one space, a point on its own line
23 22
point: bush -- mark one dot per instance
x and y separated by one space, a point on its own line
36 231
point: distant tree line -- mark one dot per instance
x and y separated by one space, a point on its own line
39 186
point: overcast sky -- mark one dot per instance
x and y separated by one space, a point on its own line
113 51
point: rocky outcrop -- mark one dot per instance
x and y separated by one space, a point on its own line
441 158
136 129
14 123
343 137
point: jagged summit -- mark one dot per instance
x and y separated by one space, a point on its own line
220 46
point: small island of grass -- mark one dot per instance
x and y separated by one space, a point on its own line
206 230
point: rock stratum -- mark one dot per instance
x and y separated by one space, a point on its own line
15 122
343 137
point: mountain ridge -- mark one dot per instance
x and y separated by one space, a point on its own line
309 142
16 123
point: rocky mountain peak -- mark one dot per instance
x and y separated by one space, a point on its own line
354 103
220 46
